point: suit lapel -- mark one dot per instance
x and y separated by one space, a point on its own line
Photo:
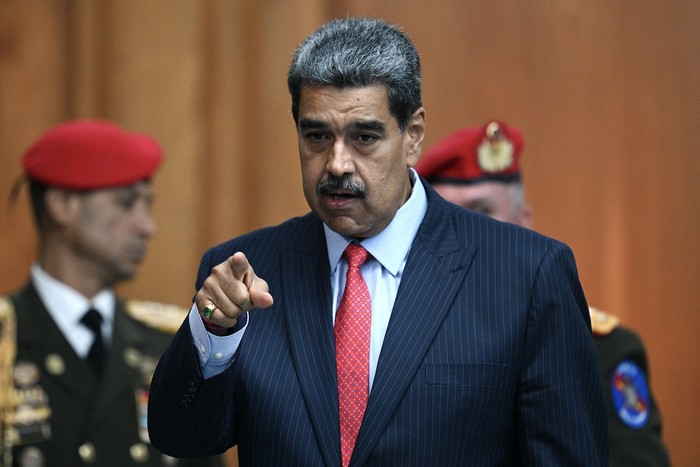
417 316
305 279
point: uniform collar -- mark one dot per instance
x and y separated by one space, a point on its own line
66 305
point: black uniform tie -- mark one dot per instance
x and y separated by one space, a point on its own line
96 357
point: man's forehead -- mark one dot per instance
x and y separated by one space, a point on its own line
136 188
375 94
361 107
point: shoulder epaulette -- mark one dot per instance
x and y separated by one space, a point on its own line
8 350
164 317
602 323
7 311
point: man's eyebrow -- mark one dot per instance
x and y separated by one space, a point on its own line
374 125
308 123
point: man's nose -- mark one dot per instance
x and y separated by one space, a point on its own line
340 160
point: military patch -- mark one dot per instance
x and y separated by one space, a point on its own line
26 374
32 457
630 394
161 316
144 364
141 396
29 423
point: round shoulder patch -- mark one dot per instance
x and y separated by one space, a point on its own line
630 394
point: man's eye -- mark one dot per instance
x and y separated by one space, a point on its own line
127 202
480 209
316 137
366 138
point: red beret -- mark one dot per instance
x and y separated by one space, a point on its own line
91 154
487 152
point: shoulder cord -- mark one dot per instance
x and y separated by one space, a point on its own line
8 351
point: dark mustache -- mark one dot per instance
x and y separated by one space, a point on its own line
334 184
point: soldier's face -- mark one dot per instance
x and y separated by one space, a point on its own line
495 199
111 229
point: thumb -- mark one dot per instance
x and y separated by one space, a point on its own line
261 298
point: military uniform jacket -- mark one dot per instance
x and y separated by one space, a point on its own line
65 416
634 418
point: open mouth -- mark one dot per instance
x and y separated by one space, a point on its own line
340 201
342 195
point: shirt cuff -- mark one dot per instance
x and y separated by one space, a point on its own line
215 352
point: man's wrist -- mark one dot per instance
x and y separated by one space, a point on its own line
218 330
224 331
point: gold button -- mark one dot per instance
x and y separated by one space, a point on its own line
55 364
87 452
139 452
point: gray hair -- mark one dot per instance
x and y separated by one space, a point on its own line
359 52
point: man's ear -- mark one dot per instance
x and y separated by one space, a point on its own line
415 131
525 216
62 206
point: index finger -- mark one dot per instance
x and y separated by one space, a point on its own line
241 268
258 291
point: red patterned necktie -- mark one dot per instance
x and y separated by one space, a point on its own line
352 331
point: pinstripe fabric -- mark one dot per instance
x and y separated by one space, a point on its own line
489 362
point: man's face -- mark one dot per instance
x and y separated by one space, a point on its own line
495 199
110 231
354 159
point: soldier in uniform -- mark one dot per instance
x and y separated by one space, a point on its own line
479 168
77 360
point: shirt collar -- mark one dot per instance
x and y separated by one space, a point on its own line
390 247
65 304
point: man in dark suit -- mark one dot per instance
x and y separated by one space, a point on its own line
476 349
74 385
455 168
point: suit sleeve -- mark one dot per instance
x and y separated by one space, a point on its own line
561 409
189 416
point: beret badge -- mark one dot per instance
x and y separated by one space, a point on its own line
495 153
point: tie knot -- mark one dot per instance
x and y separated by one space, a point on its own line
356 255
92 319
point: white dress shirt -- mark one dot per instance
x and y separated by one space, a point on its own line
67 307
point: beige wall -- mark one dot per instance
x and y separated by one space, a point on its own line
606 93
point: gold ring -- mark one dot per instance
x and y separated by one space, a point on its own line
209 309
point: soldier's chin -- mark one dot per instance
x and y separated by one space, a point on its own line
126 272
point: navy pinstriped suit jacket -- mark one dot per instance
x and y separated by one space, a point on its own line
488 358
